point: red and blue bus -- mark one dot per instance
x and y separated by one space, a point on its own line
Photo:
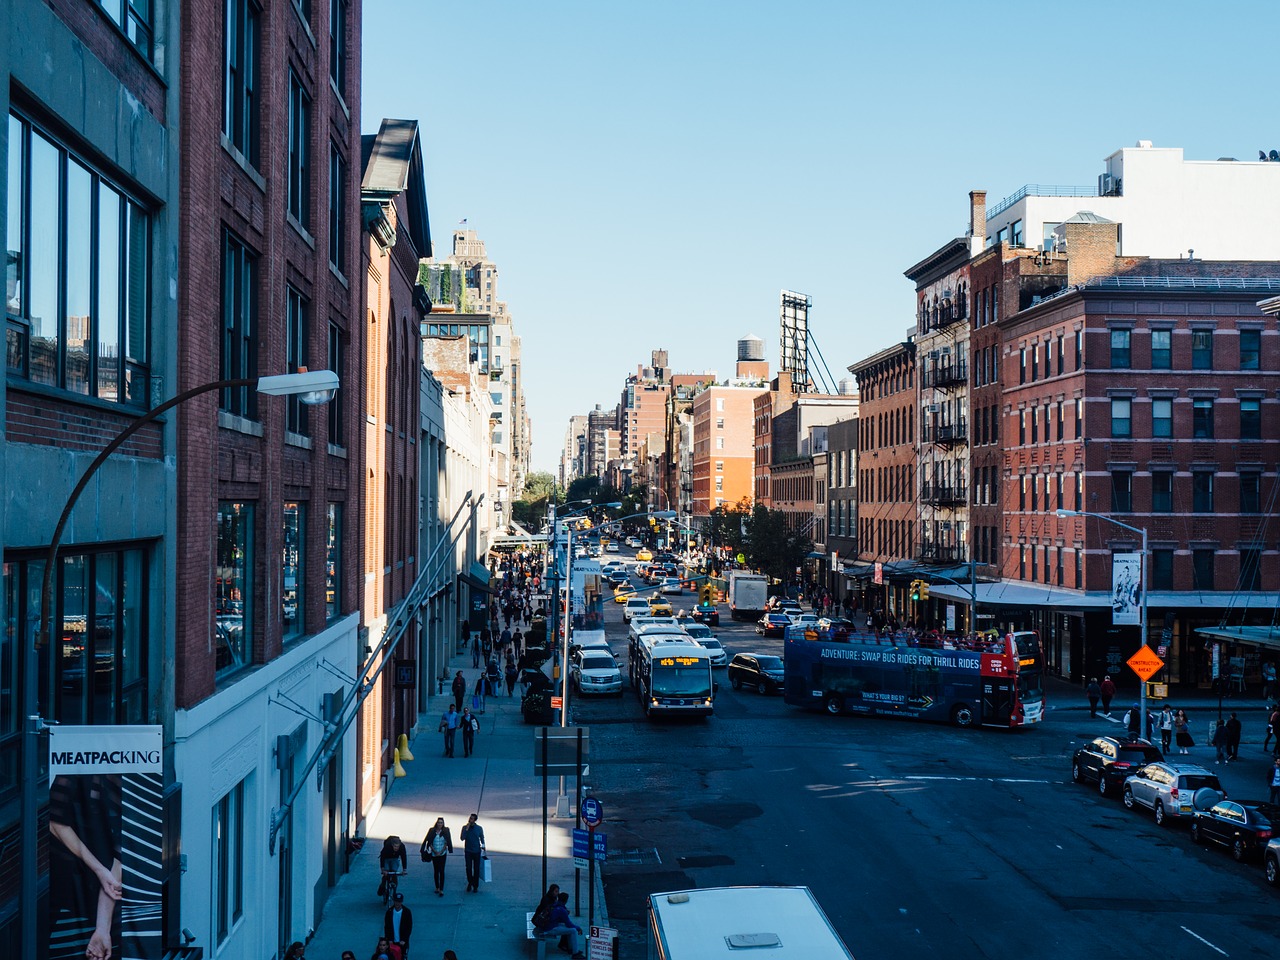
991 680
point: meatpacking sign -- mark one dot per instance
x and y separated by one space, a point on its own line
74 751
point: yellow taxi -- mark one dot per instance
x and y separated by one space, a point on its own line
644 555
659 607
623 593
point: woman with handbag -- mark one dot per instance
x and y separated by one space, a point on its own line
1182 726
437 845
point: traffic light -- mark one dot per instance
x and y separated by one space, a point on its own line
924 589
707 594
915 590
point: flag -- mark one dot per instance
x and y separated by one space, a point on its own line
462 221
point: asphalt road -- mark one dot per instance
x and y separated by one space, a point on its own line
919 840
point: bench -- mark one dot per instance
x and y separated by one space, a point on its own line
541 939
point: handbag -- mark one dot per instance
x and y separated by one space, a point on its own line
486 870
475 701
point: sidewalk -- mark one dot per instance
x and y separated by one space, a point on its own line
497 782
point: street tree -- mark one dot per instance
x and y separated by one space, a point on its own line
772 547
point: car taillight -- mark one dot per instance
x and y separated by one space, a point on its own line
1122 765
1173 794
1264 834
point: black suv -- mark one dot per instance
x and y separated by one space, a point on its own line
761 671
1108 760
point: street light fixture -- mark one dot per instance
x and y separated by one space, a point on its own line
1142 580
310 387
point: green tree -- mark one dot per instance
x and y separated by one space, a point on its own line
584 488
771 546
538 486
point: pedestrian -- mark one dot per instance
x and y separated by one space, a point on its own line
469 724
1182 731
1108 690
459 688
1272 717
493 676
1269 680
1219 740
1166 728
1273 729
559 922
449 727
472 837
1273 781
450 955
296 951
397 925
477 695
517 639
436 846
512 673
348 955
393 858
386 950
1233 737
475 653
1094 693
1133 720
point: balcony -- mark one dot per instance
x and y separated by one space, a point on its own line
940 552
944 494
947 434
947 374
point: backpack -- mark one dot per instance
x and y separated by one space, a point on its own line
542 917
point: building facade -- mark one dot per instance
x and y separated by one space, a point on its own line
723 458
842 501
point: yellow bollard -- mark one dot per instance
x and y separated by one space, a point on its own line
402 745
395 765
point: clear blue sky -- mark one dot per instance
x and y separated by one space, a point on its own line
652 174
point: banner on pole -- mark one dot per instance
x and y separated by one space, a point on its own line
1126 589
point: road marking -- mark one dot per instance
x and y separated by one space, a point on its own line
1206 942
983 779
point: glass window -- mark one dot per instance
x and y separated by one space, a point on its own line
297 333
1079 349
1161 569
1161 349
233 581
1202 491
1022 365
1202 418
1120 355
1062 355
1250 419
1250 349
1202 349
1250 493
337 357
1121 422
1015 234
337 209
299 193
228 862
1162 492
1121 491
1202 569
239 326
333 564
292 569
1250 569
338 45
1162 417
240 83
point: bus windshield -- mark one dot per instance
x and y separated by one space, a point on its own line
681 681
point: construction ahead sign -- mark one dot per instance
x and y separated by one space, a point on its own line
1145 663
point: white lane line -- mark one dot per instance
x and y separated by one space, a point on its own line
982 779
1206 942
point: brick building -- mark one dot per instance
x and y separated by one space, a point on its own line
723 439
842 499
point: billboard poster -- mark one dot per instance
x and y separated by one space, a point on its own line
1126 589
105 842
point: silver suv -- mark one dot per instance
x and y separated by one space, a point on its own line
1169 789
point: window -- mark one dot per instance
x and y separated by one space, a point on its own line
335 406
1035 362
1250 349
1120 354
1062 355
719 484
1079 492
1161 569
1162 417
1202 418
1250 492
719 423
228 862
1162 492
134 18
76 274
240 80
1015 234
1202 349
1079 349
719 404
1022 365
1161 349
1121 423
293 569
1035 426
333 564
1022 427
1050 238
1250 419
1062 503
239 326
297 331
233 581
719 466
719 443
1250 569
1062 421
337 209
299 153
1121 491
1202 491
1202 569
338 45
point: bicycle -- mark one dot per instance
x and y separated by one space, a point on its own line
390 883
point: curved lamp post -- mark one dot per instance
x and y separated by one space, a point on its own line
311 387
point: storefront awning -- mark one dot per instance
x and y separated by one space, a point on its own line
1262 636
477 577
1015 593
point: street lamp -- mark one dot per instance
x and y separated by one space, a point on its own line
310 387
1142 531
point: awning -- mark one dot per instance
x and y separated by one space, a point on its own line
477 577
1016 593
1262 636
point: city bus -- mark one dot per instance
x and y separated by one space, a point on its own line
989 681
671 675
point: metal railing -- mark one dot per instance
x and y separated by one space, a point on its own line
944 552
947 432
945 374
1039 190
944 493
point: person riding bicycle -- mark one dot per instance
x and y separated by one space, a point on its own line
393 851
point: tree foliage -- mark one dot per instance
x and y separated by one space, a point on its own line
771 546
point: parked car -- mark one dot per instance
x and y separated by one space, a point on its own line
1168 789
707 613
595 671
671 585
1271 861
1108 760
773 624
644 556
1245 827
761 671
635 607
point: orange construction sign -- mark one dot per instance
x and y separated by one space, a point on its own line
1145 663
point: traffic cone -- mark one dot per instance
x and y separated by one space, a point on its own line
396 766
402 747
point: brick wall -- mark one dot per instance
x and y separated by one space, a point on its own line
70 426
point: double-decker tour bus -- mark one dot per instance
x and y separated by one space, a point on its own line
987 680
671 675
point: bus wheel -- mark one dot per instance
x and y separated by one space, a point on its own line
833 705
962 715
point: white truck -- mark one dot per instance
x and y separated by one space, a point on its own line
747 594
782 923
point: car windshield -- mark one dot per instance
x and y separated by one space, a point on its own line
711 643
696 630
1137 755
681 681
769 663
597 663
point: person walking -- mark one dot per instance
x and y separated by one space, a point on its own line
1108 690
1182 731
459 688
1094 693
472 837
1166 728
1219 740
449 727
477 696
1273 781
1233 737
397 924
511 674
1133 720
475 653
1273 730
469 723
436 846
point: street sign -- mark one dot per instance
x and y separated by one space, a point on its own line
406 674
562 750
557 703
1145 663
588 845
592 811
600 945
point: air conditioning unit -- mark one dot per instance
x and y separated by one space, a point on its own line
932 408
946 351
1106 185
